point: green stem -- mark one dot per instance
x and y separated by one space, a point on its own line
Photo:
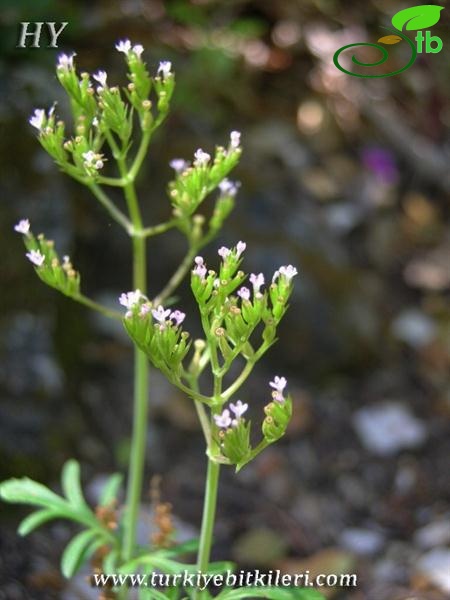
239 381
204 421
107 312
209 515
112 181
161 228
114 212
141 382
212 476
140 155
201 412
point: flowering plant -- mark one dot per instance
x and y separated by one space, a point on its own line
239 324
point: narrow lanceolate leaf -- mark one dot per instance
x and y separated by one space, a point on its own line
27 491
70 480
417 17
390 39
74 553
151 595
111 489
37 519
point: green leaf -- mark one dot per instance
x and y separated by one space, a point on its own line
27 491
70 480
417 17
37 519
173 567
110 562
249 27
151 595
111 489
74 553
304 594
185 548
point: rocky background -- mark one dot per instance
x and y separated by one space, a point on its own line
346 178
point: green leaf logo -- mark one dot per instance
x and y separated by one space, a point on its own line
417 17
390 39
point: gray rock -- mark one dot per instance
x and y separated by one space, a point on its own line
436 533
388 428
414 327
364 542
435 566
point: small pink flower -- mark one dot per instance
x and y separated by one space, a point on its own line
65 61
228 188
235 139
179 165
238 409
145 309
288 271
130 299
37 119
200 268
244 293
36 257
160 314
223 420
101 77
223 252
177 316
138 49
23 226
240 247
164 69
201 158
123 46
278 384
257 281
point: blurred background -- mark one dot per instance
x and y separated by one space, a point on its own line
345 178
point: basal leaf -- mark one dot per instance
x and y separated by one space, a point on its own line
111 489
74 553
417 17
184 548
173 567
70 480
37 519
110 562
390 39
304 594
151 595
27 491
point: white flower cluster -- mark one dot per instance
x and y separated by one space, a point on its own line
93 160
65 61
163 316
224 420
126 47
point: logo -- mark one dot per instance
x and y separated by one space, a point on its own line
416 18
